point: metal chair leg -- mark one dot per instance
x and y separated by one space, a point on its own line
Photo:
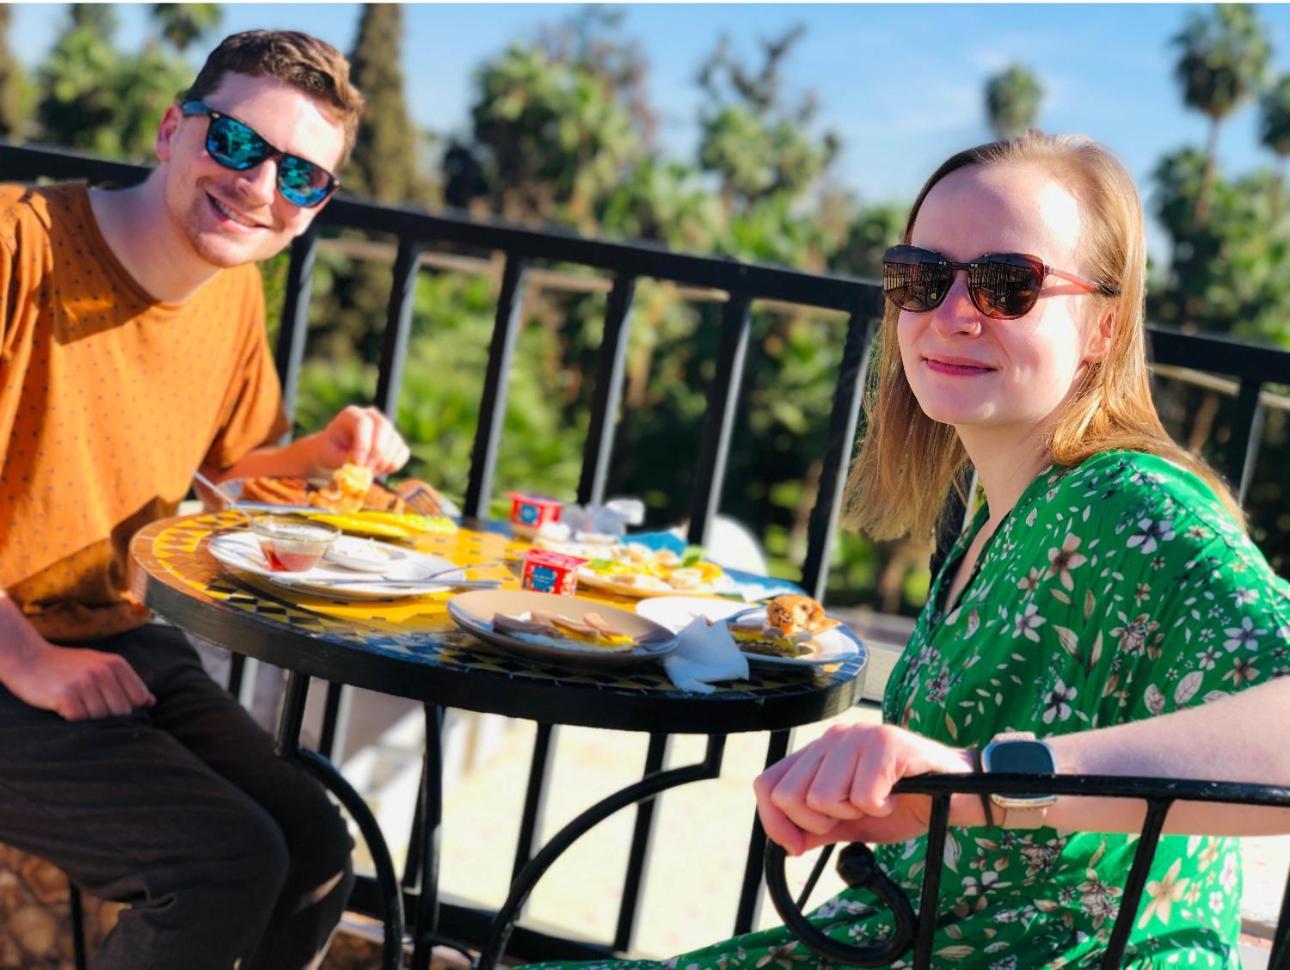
78 925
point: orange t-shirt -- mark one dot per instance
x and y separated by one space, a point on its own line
108 402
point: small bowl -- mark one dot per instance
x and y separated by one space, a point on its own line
292 545
365 555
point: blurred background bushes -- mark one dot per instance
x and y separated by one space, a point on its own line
562 133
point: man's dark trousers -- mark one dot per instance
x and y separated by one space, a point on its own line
223 851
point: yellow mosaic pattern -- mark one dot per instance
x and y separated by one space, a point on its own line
418 629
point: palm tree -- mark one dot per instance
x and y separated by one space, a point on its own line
1274 129
1223 60
183 23
1012 100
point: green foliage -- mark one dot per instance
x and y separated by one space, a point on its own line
14 107
554 139
182 24
442 384
383 166
1274 121
95 100
1012 99
1230 273
1222 58
757 145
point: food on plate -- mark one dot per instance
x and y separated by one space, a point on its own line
350 490
277 491
347 491
390 525
550 572
792 613
292 545
789 625
636 567
551 629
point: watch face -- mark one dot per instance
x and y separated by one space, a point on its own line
1019 757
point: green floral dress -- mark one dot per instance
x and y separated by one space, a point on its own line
1122 589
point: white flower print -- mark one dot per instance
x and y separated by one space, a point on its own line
1164 894
989 880
1216 901
1062 561
1243 635
1207 658
1029 582
1150 534
1100 900
1133 633
1242 671
1028 623
1227 878
1058 702
1242 596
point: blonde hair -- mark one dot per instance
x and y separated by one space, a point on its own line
908 462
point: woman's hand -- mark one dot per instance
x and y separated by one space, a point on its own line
838 788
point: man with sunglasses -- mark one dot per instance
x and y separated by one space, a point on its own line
132 351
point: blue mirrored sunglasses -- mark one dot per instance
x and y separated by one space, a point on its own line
238 146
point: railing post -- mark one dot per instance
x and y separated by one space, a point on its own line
295 317
723 396
845 417
394 343
492 406
608 393
1247 435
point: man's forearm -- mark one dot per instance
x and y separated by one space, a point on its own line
295 460
19 640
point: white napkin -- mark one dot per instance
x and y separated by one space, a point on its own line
706 654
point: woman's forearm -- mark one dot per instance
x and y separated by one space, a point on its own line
1244 737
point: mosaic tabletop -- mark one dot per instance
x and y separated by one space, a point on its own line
412 648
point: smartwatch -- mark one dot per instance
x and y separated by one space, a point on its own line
1020 752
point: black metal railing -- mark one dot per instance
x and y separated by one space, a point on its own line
859 869
626 264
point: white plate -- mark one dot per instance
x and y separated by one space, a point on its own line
239 552
830 647
676 612
610 585
367 555
474 613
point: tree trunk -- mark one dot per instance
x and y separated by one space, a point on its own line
1207 176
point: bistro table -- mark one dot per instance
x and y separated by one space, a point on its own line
411 648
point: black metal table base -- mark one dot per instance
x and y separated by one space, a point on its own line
288 746
647 788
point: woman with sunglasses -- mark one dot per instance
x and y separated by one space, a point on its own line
1092 618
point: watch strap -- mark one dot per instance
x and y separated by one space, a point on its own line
1012 815
984 796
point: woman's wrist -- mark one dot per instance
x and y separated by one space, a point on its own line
966 810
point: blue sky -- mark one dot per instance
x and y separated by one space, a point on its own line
902 84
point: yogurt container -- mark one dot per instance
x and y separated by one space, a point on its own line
530 512
550 572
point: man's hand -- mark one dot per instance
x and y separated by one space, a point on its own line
363 436
838 788
77 683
